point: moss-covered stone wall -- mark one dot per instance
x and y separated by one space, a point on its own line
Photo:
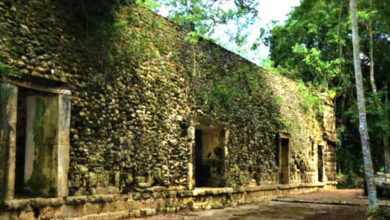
136 84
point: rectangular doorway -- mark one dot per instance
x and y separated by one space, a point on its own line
36 143
320 163
209 158
284 161
37 147
20 142
200 173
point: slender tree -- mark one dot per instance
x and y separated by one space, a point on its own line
386 141
372 63
363 129
381 110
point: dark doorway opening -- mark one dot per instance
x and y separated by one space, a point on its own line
209 158
277 150
320 163
201 175
20 142
284 161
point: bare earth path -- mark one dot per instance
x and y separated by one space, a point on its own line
273 211
323 205
333 197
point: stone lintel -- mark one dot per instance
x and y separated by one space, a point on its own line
29 84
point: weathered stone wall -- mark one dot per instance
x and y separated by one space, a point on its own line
136 83
111 206
306 131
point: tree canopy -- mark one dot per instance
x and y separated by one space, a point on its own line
314 45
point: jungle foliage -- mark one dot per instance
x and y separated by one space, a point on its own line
315 46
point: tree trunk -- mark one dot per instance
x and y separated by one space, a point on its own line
368 168
372 63
386 142
386 146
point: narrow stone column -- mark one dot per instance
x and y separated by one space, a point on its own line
8 109
190 164
225 174
64 111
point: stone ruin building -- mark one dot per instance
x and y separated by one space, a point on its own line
91 130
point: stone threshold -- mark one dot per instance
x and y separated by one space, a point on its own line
279 187
227 190
257 188
211 191
301 185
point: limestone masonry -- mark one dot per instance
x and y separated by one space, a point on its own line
123 117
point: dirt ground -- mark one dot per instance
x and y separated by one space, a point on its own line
332 193
350 195
329 204
334 196
272 211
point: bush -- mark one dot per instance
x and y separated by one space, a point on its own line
383 213
349 180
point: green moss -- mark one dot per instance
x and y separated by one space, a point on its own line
7 70
289 125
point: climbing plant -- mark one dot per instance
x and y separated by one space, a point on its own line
7 70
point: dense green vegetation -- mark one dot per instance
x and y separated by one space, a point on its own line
315 46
